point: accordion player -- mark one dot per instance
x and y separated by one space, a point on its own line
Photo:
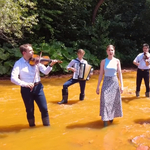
82 71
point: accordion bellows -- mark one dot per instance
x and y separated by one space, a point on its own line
82 71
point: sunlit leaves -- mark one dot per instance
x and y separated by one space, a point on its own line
14 19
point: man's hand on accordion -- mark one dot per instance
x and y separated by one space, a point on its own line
72 69
91 72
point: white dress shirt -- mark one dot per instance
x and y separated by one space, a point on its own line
71 64
23 73
140 59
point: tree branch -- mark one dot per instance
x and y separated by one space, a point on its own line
95 10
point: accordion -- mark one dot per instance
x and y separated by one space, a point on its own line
82 71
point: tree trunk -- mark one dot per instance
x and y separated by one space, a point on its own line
95 10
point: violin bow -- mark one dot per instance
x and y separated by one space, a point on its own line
36 70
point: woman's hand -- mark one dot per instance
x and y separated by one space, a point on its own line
97 90
121 90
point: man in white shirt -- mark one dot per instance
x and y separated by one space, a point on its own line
142 62
27 76
82 83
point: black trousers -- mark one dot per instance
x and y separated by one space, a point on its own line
36 95
142 74
71 81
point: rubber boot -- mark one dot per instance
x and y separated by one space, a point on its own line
105 124
64 96
111 121
137 93
147 94
81 97
46 121
31 122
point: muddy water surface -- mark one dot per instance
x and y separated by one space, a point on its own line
76 125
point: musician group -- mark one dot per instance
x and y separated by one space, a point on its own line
27 76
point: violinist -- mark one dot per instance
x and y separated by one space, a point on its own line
142 62
28 77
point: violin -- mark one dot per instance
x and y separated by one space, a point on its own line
35 59
146 58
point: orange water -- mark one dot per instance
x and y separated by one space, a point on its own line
76 125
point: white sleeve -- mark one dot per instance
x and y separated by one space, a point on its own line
15 76
71 64
45 70
138 57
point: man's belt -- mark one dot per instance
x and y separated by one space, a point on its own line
143 69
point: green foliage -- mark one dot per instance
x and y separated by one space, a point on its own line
48 13
126 27
75 14
125 24
7 59
95 37
142 24
57 50
14 20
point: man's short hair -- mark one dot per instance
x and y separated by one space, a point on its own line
24 47
81 51
145 45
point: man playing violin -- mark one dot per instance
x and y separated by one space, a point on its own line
142 62
28 77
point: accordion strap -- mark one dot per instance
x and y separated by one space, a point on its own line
77 60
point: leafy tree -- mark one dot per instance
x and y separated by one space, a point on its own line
95 38
7 58
57 50
48 12
125 27
142 25
15 19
